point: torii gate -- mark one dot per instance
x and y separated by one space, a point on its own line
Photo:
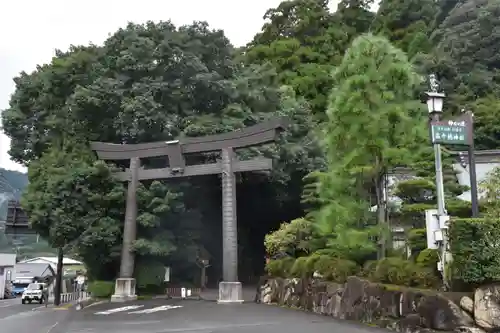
230 289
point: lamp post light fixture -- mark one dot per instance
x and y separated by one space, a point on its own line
435 101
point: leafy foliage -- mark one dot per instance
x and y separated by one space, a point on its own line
73 201
475 248
291 238
490 190
371 116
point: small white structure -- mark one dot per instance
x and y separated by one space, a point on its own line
52 261
7 263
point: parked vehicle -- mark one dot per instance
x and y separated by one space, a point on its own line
35 292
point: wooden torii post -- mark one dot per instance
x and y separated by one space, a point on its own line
230 289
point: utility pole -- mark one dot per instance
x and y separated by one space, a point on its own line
471 157
472 168
435 107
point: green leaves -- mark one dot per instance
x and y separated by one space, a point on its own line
67 193
475 248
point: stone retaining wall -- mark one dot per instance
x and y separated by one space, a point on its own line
401 309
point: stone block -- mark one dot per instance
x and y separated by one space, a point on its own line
230 293
124 290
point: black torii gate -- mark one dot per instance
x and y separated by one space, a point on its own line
230 288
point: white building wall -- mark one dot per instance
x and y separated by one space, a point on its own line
2 282
463 176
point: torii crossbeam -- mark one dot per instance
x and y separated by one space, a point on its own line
230 289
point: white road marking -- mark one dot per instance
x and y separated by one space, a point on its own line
52 327
156 309
116 310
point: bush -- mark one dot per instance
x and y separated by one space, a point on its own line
335 269
280 267
369 268
393 271
101 289
292 238
417 239
428 258
303 267
424 277
401 272
474 244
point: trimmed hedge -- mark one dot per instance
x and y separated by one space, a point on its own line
475 245
101 289
402 272
395 271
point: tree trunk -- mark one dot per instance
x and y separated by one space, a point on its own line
59 273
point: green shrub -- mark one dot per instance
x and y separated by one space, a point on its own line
303 267
369 268
101 289
424 277
393 271
401 272
417 240
280 267
428 258
474 244
335 269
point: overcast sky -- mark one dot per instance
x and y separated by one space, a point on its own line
32 29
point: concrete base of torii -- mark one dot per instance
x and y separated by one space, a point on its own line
230 293
124 290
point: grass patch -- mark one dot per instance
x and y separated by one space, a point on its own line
144 297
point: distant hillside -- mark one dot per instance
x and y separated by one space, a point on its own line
13 183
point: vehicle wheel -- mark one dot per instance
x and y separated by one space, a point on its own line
41 300
23 301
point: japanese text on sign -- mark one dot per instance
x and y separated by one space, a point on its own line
450 132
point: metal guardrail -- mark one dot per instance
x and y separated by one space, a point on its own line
181 292
75 296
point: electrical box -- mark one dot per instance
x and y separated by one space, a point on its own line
443 221
432 225
438 235
440 266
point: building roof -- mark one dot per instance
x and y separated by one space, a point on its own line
52 260
481 156
7 259
33 270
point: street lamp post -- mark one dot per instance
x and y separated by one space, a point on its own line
435 101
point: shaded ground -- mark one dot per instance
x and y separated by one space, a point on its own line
165 316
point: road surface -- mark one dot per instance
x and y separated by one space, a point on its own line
169 316
24 318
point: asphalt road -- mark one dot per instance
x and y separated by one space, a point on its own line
27 318
167 316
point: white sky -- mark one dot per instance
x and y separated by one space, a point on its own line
32 29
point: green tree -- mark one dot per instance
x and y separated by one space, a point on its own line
302 41
69 198
407 23
374 125
355 16
489 189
